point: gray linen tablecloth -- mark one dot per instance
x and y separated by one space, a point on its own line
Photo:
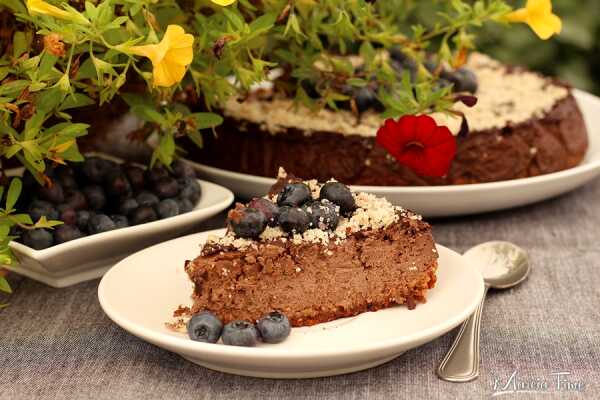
57 343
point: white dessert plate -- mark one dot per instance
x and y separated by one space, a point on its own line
141 292
90 257
446 201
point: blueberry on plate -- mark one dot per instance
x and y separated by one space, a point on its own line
339 194
167 208
66 233
118 185
267 207
136 176
128 206
323 214
246 222
274 327
53 193
190 189
147 199
464 80
143 215
82 219
96 169
95 196
99 223
166 188
293 219
68 216
365 98
40 208
204 327
294 195
240 333
76 200
38 239
182 169
120 221
185 205
157 173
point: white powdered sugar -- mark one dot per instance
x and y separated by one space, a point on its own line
372 213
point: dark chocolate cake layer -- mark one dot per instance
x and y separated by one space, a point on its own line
535 127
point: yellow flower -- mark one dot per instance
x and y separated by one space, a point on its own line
538 15
170 57
223 2
40 7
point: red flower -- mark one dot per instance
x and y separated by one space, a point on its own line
419 143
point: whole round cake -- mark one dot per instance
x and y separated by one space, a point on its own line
523 125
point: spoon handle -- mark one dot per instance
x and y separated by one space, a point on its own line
461 363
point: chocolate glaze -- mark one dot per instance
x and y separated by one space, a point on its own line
554 142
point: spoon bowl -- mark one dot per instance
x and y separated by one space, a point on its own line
502 264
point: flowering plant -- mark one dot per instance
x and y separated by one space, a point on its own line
175 62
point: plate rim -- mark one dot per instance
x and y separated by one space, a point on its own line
186 346
585 167
117 234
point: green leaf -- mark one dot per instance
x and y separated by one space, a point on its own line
149 114
205 120
20 44
4 286
76 100
14 88
14 191
234 18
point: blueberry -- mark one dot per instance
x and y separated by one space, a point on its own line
339 194
204 327
464 80
323 215
95 196
76 200
120 221
117 185
246 222
38 239
68 216
240 333
66 233
53 193
267 207
157 173
82 219
147 199
168 208
136 177
274 327
128 206
294 195
190 189
181 169
39 208
185 205
99 223
143 215
365 98
96 169
166 188
293 219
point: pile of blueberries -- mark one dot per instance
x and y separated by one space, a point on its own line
206 327
99 195
295 211
365 98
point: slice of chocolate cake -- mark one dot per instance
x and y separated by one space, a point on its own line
316 253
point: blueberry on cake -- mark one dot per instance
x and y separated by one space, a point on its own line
315 252
523 125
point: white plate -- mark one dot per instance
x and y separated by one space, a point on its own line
445 201
141 292
90 257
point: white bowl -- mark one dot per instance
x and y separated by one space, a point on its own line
141 292
91 256
446 201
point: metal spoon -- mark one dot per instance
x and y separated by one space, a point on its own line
503 265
